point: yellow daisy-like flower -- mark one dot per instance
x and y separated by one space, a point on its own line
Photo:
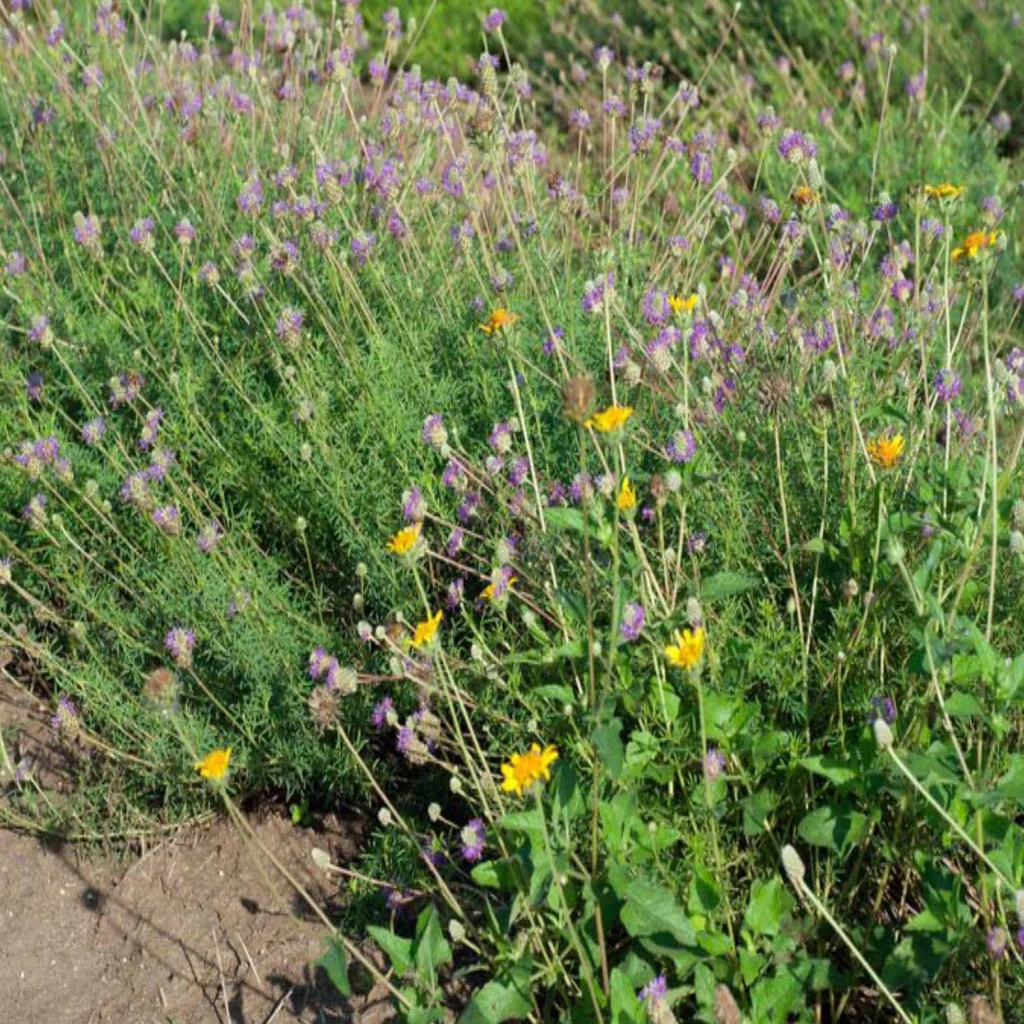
885 452
215 765
804 196
405 540
944 191
495 590
678 304
612 418
526 769
627 496
687 650
974 243
498 320
426 630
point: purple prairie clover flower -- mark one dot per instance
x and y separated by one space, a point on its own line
319 663
65 720
180 642
700 168
580 120
151 430
284 257
135 489
884 212
455 541
494 20
654 991
468 507
433 853
769 210
209 274
927 528
396 226
493 465
34 386
23 769
15 264
551 342
159 463
1018 293
454 594
5 572
125 388
632 625
141 234
39 333
681 447
947 385
993 210
414 505
455 476
87 232
392 21
92 78
168 519
250 198
381 713
500 439
472 838
595 292
518 471
406 739
581 488
434 432
902 289
185 232
289 326
656 308
713 764
883 708
697 542
915 86
35 511
1001 122
996 942
797 148
209 537
768 121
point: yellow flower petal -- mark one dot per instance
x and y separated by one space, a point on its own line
215 765
612 418
523 770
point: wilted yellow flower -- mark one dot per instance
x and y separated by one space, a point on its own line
804 196
678 304
688 648
426 630
885 452
526 769
944 191
405 540
215 765
975 242
499 319
612 418
627 496
497 589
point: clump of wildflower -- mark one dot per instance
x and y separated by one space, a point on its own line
180 643
681 447
686 652
434 432
502 582
498 320
209 536
713 763
523 770
141 234
944 191
383 713
884 708
214 766
40 333
87 234
168 519
947 385
625 501
886 452
414 505
654 991
976 242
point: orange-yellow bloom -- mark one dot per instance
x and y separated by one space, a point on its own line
627 496
885 452
680 305
405 540
944 191
215 765
426 630
804 196
612 418
688 648
526 769
974 243
499 319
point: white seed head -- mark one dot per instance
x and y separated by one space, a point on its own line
883 734
384 816
434 812
793 866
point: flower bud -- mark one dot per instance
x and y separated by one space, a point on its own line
883 734
793 866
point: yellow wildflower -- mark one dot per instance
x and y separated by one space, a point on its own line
499 588
975 242
215 765
526 769
612 418
426 630
885 452
627 496
499 319
405 540
688 648
944 191
680 305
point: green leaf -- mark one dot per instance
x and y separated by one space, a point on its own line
963 705
769 903
836 828
431 949
626 1006
832 768
496 1002
497 874
608 741
651 911
336 966
564 519
423 1014
727 584
396 949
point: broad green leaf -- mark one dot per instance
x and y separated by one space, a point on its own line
608 741
626 1005
336 966
396 949
727 584
496 1002
769 903
431 949
651 911
831 768
836 828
